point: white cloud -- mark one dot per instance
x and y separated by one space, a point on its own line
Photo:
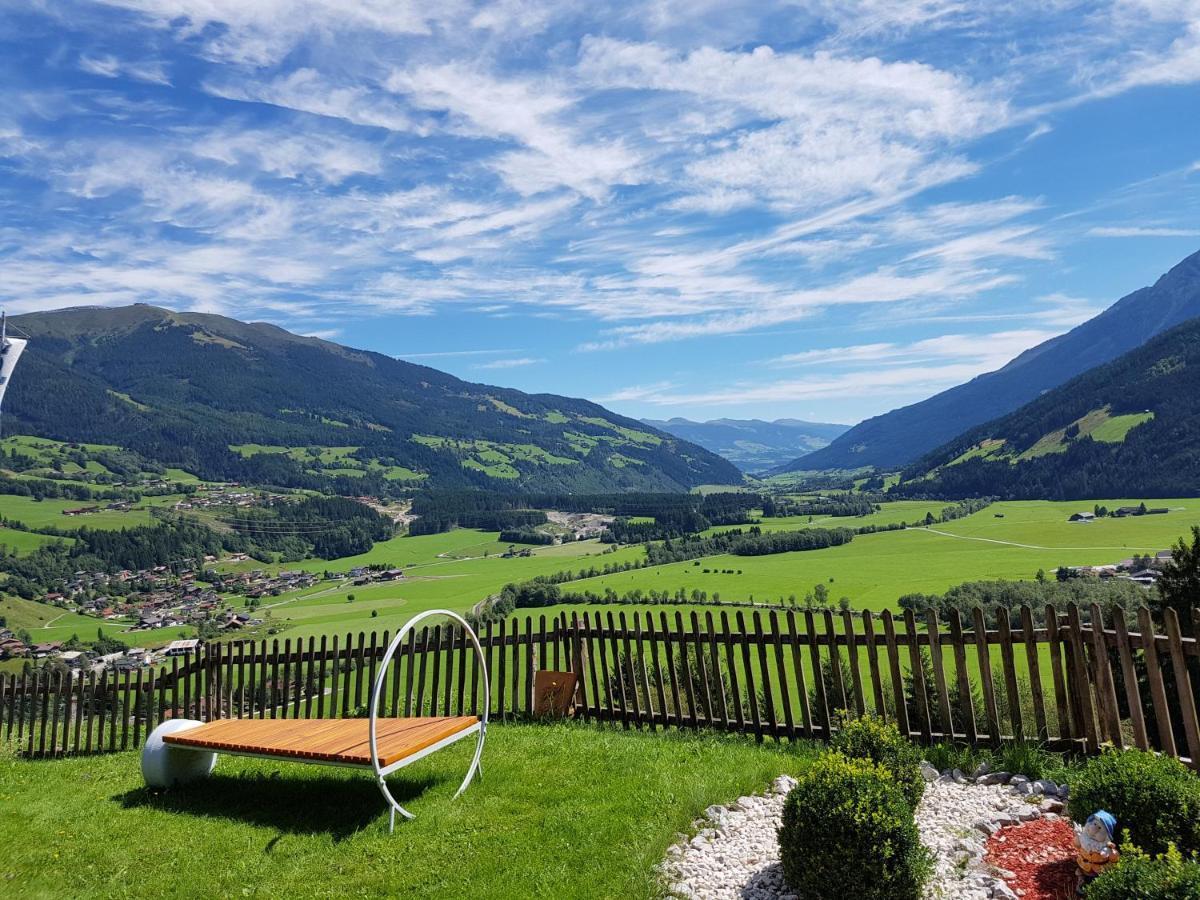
815 128
109 66
290 155
264 31
514 363
1134 231
307 90
986 350
527 112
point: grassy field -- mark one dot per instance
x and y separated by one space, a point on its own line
564 811
898 512
455 581
24 541
40 513
49 623
875 570
457 569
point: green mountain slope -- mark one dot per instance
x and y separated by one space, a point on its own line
1128 428
228 399
903 435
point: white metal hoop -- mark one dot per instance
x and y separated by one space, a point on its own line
377 694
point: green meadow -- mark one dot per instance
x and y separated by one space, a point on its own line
40 513
1010 540
457 569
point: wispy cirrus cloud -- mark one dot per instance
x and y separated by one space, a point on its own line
513 363
1134 231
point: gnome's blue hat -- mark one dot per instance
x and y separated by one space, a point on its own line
1108 819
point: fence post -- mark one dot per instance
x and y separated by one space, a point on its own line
984 658
893 652
1105 686
1035 673
772 720
806 721
967 710
860 700
1007 661
934 628
731 664
1158 694
781 671
1062 706
1183 685
714 657
814 652
1079 683
1132 696
917 670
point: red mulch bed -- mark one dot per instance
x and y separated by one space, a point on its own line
1042 855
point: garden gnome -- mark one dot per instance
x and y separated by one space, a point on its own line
1094 845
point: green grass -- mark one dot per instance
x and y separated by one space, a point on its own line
20 542
563 811
49 623
1113 431
40 513
875 570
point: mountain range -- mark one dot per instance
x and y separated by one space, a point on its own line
251 401
896 439
1127 428
752 444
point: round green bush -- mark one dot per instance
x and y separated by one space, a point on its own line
1136 875
848 832
1156 799
869 737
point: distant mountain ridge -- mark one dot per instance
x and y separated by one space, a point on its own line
897 438
753 445
229 399
1128 428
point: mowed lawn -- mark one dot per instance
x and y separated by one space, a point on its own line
563 811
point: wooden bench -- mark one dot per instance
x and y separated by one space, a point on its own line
182 750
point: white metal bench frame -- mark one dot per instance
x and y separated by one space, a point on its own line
166 764
381 772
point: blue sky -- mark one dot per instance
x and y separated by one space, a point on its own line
819 209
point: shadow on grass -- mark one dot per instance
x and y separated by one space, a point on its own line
316 805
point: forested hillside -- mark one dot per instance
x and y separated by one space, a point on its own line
229 400
1127 428
903 435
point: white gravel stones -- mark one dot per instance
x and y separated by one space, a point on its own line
737 858
735 852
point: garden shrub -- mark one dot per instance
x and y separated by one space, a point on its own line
1138 876
869 737
848 832
1155 798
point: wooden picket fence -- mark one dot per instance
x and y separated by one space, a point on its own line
1072 682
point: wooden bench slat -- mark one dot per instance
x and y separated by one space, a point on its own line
343 741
